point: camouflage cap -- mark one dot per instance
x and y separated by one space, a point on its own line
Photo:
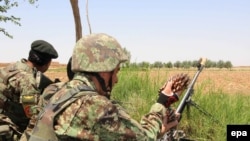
44 48
97 53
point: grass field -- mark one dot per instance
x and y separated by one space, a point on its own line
222 93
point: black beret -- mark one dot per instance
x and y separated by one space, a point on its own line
44 48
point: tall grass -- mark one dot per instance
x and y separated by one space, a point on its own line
137 91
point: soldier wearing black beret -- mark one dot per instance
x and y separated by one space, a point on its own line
41 54
20 87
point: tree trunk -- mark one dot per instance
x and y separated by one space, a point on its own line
77 18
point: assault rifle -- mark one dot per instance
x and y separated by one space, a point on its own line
177 135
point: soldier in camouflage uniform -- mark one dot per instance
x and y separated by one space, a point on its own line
19 89
44 98
81 109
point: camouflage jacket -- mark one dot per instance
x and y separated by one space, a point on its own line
94 117
17 81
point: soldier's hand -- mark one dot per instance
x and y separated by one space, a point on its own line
172 115
175 84
167 88
166 94
167 125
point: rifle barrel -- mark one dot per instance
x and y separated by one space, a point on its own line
189 91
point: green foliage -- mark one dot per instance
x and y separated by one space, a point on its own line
158 64
5 6
137 91
228 64
168 65
182 64
224 108
220 64
144 64
177 64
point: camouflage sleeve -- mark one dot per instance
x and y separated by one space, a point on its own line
99 119
24 84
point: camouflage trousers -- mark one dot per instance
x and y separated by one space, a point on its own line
8 130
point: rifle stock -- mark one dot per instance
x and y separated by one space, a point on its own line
189 91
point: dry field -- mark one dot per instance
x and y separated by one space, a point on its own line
234 81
